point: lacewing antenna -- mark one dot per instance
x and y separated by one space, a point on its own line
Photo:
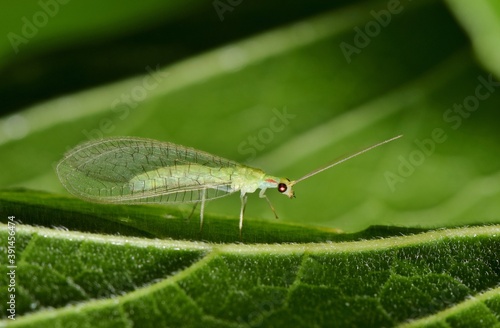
307 176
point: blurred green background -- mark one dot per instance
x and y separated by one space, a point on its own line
284 86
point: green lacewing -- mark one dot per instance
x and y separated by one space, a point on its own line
129 170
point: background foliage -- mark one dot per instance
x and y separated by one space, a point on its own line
274 81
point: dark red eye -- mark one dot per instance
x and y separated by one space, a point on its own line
282 187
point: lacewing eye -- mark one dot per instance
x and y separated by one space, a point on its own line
282 187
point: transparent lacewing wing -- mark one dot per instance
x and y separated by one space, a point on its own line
128 170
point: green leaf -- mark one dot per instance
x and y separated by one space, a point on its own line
481 20
49 210
63 277
287 99
204 103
